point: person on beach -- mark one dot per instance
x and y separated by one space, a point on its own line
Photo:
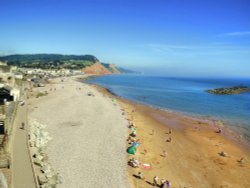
133 134
141 176
131 125
168 184
242 160
163 181
155 181
153 132
131 140
169 139
164 153
134 163
22 126
170 131
219 131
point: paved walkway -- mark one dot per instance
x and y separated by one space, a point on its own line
22 169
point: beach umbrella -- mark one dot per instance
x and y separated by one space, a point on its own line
136 144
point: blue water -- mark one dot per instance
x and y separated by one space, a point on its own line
185 95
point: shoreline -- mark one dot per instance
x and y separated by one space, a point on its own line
195 133
228 131
191 159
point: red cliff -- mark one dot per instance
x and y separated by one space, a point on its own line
96 68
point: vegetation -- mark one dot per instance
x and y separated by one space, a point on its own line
57 61
50 61
229 90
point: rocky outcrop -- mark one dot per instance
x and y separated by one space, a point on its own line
229 90
47 176
97 69
3 181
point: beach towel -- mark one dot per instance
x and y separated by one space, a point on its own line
146 166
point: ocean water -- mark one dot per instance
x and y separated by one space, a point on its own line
186 95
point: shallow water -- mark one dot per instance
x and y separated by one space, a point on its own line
185 95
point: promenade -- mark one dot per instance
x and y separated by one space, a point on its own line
22 170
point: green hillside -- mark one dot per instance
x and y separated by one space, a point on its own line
50 61
57 61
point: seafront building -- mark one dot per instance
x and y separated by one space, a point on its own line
9 96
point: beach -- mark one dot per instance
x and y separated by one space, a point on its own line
89 129
192 158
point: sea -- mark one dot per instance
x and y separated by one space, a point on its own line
185 95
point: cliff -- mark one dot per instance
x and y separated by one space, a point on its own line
96 68
117 70
112 68
103 68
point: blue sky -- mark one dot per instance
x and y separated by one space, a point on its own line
167 37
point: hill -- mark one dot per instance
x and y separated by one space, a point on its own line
46 61
88 63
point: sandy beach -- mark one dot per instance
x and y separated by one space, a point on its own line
89 127
88 130
192 158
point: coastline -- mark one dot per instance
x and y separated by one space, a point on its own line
196 147
215 123
192 158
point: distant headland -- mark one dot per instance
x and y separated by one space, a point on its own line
229 90
88 64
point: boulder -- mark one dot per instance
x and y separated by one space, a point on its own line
42 179
3 181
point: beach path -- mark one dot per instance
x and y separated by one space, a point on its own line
88 130
22 170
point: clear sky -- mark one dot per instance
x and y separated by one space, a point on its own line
171 37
